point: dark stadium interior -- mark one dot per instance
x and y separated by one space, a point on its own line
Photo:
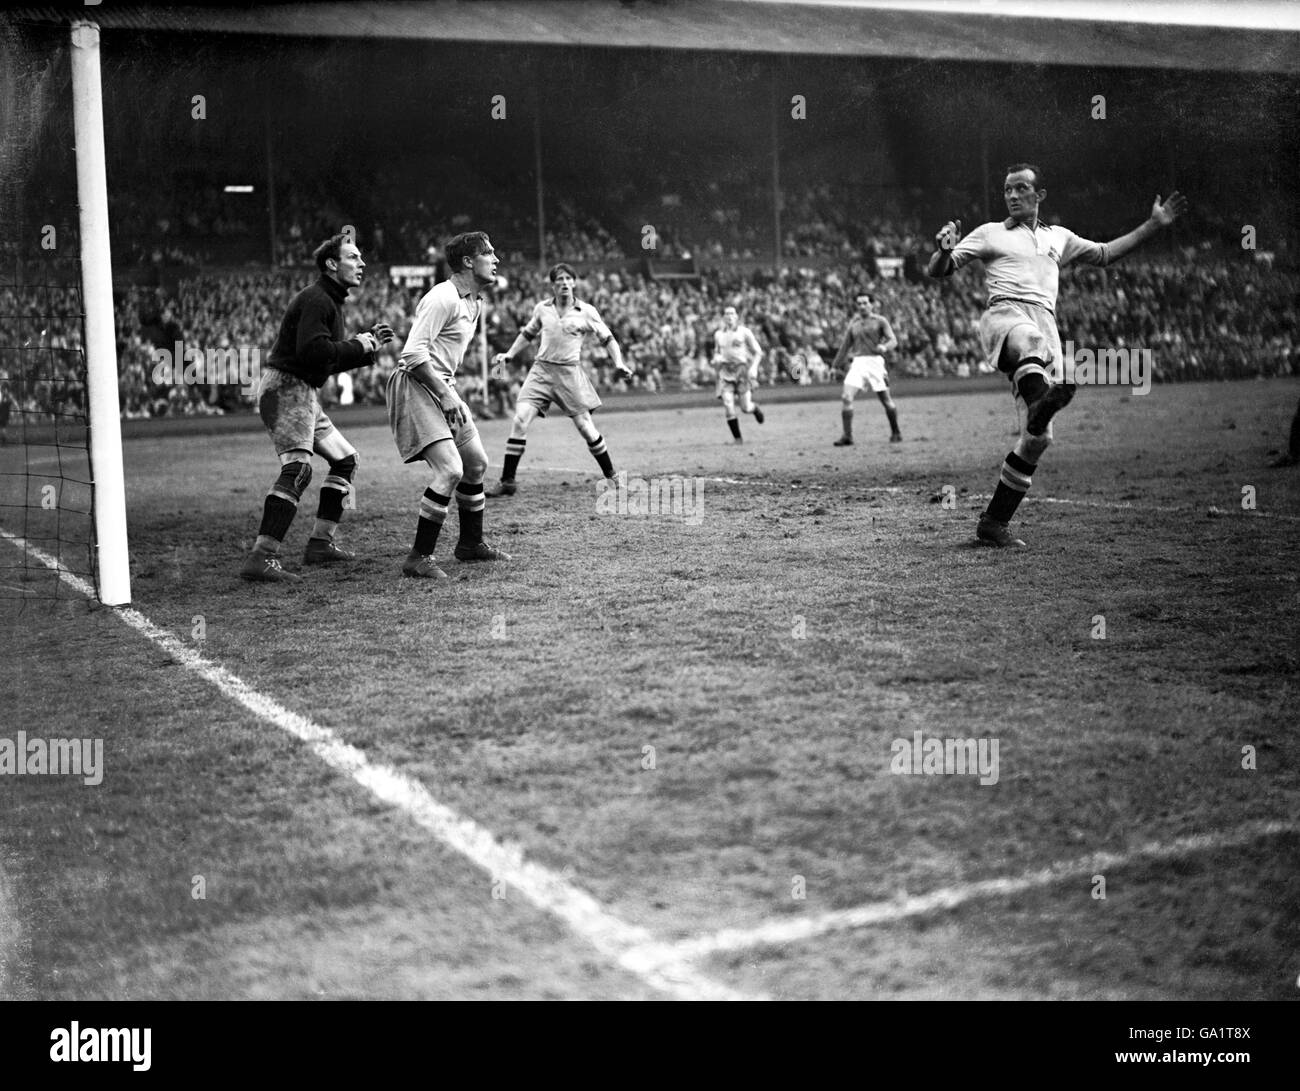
621 130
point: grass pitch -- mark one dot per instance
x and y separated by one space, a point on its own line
692 719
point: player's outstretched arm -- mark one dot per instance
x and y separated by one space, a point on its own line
1162 215
941 264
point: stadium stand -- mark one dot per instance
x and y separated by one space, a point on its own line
1204 315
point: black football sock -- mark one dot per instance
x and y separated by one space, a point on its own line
1017 475
282 505
601 454
277 516
433 511
1032 386
892 414
469 499
846 419
514 452
334 492
734 425
1295 434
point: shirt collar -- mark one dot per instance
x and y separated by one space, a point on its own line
472 293
335 290
1010 223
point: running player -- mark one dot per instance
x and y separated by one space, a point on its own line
736 356
867 339
307 351
562 322
430 422
1022 261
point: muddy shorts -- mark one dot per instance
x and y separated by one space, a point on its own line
291 411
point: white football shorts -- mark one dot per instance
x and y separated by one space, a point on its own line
867 371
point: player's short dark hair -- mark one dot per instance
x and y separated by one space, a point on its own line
330 248
1039 181
469 244
558 268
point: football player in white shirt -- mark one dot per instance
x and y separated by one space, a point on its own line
558 325
430 421
1022 260
736 356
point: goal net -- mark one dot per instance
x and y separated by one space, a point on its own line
51 488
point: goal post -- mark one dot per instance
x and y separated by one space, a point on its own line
112 570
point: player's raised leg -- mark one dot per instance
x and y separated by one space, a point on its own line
1024 355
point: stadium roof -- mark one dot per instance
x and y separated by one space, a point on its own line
829 29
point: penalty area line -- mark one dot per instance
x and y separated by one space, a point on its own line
622 943
794 930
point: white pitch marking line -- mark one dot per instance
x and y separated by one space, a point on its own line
12 987
622 943
788 930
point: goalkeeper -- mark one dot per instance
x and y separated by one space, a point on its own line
309 349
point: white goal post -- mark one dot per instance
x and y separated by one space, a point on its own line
113 577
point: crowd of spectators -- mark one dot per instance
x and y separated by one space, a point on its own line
42 374
1204 314
719 223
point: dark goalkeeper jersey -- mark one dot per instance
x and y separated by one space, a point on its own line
310 343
